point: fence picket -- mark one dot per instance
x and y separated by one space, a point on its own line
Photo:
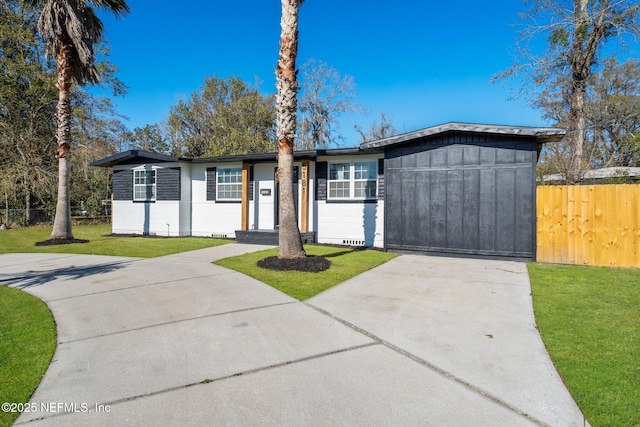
589 225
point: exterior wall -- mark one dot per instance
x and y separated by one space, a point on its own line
353 222
160 217
213 218
356 224
462 194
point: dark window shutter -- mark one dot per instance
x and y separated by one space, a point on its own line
168 184
211 183
380 179
251 189
321 180
123 185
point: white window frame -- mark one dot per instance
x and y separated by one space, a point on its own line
141 185
348 177
231 183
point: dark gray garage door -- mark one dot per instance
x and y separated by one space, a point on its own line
462 195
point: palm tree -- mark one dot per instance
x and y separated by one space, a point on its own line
289 234
70 28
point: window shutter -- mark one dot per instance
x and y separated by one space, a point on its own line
168 184
251 186
211 184
321 180
380 179
122 185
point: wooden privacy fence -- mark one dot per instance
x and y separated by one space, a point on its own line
589 224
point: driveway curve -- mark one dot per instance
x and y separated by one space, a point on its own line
176 340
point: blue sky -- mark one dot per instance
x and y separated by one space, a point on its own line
422 63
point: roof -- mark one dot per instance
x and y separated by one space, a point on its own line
542 134
140 156
134 157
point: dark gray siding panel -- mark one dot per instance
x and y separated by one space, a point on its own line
487 211
211 183
321 180
475 199
471 213
123 185
168 184
381 179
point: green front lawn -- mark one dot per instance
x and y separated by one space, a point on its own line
589 319
100 243
345 263
27 343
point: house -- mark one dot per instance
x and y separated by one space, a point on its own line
456 188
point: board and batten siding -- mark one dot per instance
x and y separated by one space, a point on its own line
168 183
122 184
462 194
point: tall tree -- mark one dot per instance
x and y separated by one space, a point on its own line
377 130
326 94
225 116
576 33
612 110
27 105
71 29
286 106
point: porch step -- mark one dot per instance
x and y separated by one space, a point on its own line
268 237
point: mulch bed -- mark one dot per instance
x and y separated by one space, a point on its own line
52 242
310 264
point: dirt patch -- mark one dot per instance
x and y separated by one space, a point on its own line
52 242
310 264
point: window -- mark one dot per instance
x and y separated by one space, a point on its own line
339 184
230 184
144 184
357 180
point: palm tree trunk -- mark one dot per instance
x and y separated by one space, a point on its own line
289 234
62 221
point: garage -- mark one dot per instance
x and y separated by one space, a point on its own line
463 189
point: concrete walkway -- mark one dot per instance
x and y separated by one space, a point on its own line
178 341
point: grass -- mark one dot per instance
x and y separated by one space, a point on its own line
27 343
100 243
345 263
589 319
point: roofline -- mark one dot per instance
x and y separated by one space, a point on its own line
129 156
542 134
125 156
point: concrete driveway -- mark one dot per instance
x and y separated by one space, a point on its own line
178 341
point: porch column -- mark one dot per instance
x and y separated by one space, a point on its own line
304 210
246 167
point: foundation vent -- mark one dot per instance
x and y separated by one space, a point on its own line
353 242
220 236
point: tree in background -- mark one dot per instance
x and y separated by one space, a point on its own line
612 114
27 107
225 116
377 130
150 138
286 105
326 94
70 29
576 33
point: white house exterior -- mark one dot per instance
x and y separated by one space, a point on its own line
167 196
456 188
